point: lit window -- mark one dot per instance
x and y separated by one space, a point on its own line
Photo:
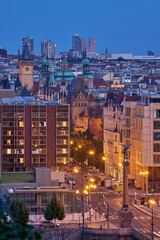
21 124
21 160
8 151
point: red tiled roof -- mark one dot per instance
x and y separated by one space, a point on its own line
96 112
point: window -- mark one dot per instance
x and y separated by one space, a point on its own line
20 141
156 147
20 160
44 198
20 124
127 111
62 161
9 151
156 113
42 160
127 133
62 150
156 125
21 133
34 114
42 124
62 141
62 133
115 150
7 124
127 122
61 115
62 124
115 137
156 159
156 136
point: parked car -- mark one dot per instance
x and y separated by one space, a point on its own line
71 181
48 224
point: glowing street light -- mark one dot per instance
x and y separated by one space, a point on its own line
145 173
77 191
71 142
152 224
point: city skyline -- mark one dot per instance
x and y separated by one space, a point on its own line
122 27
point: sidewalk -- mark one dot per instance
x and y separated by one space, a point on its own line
72 218
148 211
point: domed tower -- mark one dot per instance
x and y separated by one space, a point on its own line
86 67
26 64
45 66
88 77
64 65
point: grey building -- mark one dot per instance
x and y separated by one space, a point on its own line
76 43
48 49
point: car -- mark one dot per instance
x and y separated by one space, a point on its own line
48 224
71 182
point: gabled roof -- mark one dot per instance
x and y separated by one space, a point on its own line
26 54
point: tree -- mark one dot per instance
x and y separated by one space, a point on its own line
10 230
18 211
54 210
61 214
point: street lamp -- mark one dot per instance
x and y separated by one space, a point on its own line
91 152
76 171
145 173
152 224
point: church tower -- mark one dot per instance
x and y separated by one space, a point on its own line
26 64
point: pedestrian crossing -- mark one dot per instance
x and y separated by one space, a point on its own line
105 193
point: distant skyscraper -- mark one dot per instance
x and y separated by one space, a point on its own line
76 43
30 44
48 49
83 44
92 44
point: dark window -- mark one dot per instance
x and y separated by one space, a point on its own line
156 124
156 136
156 147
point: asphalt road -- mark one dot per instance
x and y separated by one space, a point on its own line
141 221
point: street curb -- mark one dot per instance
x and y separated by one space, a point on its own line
133 205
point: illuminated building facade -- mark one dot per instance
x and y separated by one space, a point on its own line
34 135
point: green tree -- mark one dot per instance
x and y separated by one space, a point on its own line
16 230
18 211
54 210
61 214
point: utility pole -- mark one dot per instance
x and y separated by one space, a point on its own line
82 199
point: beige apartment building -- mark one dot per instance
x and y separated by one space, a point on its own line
139 125
113 126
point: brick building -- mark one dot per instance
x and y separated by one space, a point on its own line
34 135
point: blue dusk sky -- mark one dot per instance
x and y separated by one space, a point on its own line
123 26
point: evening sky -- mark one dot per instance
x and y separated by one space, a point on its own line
123 26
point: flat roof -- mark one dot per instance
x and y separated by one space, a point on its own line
38 189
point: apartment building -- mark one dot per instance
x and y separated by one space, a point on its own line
34 134
112 135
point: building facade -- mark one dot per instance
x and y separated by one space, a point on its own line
92 44
37 198
112 140
76 43
143 131
48 49
34 135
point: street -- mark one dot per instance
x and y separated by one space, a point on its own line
100 198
